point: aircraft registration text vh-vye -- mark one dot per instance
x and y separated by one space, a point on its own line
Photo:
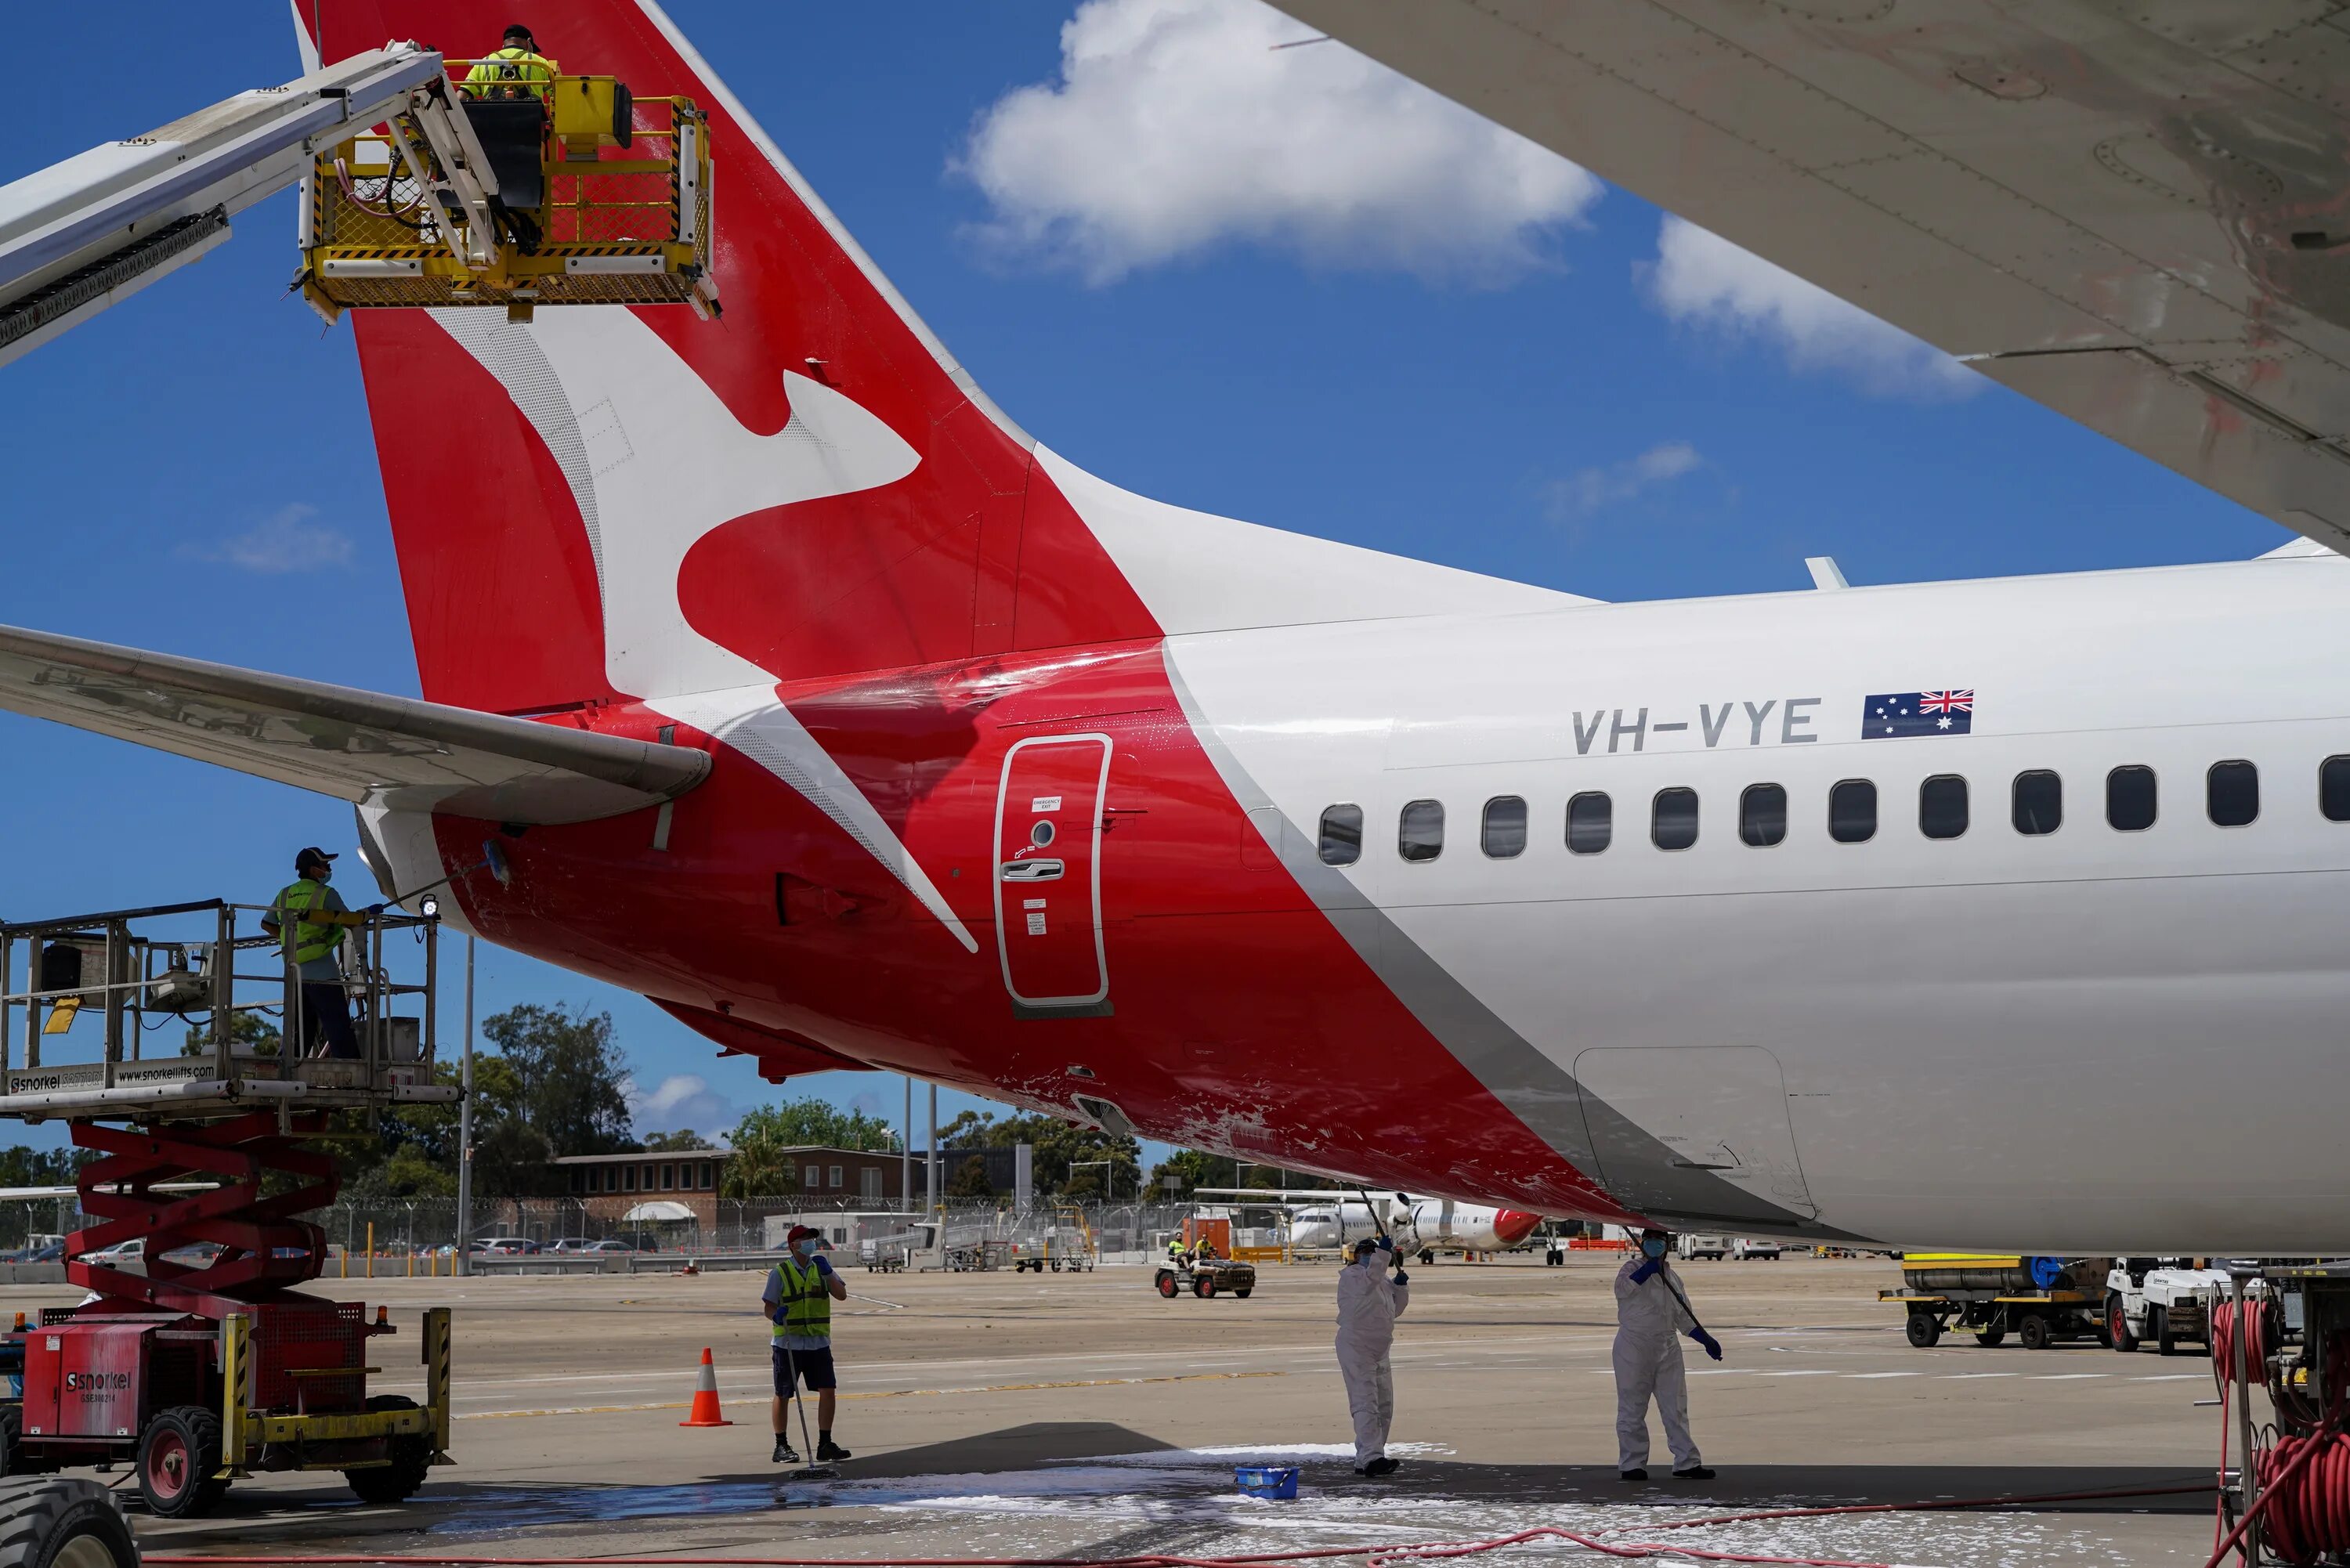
814 698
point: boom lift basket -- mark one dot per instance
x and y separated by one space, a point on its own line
591 196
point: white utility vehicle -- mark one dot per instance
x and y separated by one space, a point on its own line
2166 1300
1702 1246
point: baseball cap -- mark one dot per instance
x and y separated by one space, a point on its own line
304 857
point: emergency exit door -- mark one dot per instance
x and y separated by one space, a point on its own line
1048 871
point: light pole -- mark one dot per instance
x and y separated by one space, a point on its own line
905 1150
934 1186
1109 1171
462 1253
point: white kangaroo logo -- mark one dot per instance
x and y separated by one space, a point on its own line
656 461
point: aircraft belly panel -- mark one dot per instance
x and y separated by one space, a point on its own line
1720 1111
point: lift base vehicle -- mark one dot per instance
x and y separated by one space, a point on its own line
197 1373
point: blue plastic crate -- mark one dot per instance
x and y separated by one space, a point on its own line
1277 1481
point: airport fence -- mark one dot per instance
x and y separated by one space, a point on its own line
402 1227
1118 1231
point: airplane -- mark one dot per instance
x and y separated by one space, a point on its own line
1330 1219
810 696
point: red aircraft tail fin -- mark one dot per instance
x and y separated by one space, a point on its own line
630 502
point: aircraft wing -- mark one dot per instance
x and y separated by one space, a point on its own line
2133 212
394 751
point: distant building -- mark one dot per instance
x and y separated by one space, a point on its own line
616 1186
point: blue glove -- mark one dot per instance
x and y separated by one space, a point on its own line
1712 1346
1641 1276
1386 1243
1401 1278
373 909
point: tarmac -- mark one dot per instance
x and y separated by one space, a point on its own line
1018 1414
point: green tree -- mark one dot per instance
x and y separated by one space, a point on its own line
971 1181
246 1028
1059 1147
759 1168
677 1142
24 1166
569 1073
814 1122
1199 1167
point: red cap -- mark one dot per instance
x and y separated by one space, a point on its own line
801 1233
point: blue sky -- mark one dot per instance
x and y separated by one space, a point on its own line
1377 321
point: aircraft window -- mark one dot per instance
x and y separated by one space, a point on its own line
1762 814
2334 789
1591 820
1342 835
2232 793
2129 798
1942 806
1852 812
1420 833
2039 803
1503 835
1672 821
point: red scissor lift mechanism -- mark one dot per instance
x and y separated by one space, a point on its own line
211 1363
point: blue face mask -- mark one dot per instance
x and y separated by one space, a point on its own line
1654 1246
806 1249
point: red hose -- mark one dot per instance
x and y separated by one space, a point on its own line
1374 1557
2305 1492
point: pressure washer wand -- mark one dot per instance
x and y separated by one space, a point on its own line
493 860
1668 1273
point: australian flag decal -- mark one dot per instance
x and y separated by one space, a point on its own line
1917 714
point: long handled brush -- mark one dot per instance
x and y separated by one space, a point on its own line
811 1470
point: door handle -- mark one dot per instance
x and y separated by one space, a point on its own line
1032 871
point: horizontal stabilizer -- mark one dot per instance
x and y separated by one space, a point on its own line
780 1056
391 751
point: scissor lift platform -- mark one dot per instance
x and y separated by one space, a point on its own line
199 1372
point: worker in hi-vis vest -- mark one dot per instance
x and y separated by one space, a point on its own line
516 70
309 918
800 1292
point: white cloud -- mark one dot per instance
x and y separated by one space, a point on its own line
1701 278
679 1101
1588 490
288 540
1177 124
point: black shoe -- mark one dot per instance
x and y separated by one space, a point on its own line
1382 1466
826 1450
1631 1475
1695 1472
785 1453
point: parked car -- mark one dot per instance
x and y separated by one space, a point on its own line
569 1245
1704 1247
48 1252
507 1246
1743 1249
134 1250
635 1242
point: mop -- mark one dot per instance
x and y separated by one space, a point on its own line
811 1470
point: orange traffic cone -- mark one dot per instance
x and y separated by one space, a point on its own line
705 1411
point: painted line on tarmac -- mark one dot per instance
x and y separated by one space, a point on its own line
877 1394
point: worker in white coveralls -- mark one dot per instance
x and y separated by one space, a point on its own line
1651 1315
1370 1301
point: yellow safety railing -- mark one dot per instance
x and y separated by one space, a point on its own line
603 198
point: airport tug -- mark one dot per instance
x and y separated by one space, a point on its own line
211 1363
